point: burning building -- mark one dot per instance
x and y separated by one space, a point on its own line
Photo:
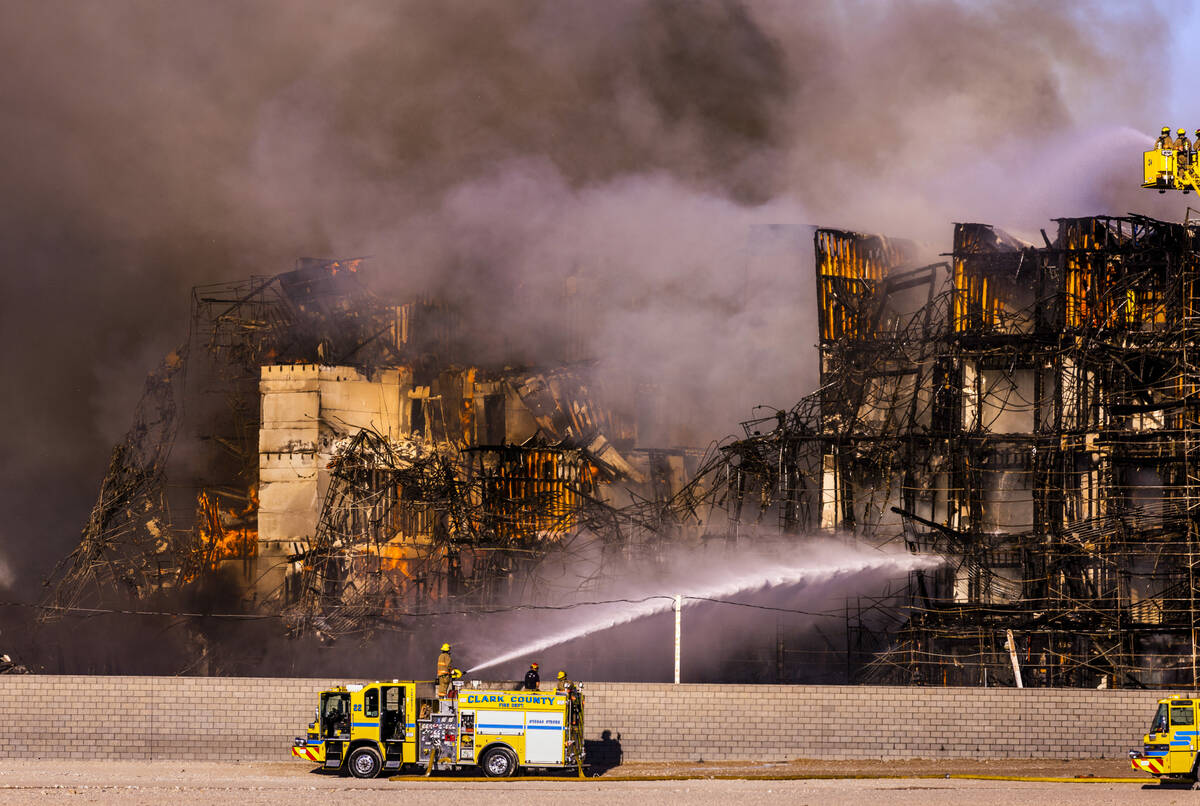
1031 414
1028 412
344 463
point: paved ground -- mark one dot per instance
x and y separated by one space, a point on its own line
254 784
1098 768
186 783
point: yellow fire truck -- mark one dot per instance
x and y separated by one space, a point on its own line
392 725
1169 750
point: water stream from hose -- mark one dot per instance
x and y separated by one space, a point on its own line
737 576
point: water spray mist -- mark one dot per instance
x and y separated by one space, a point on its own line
735 578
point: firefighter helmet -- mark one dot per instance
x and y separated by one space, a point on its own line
562 675
445 647
1181 132
1166 130
533 666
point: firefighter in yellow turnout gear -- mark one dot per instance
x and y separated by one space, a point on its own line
1172 164
566 687
444 667
1183 150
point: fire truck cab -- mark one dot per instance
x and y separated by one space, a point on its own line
384 726
1169 750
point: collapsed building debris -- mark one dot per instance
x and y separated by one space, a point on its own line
125 543
9 666
348 465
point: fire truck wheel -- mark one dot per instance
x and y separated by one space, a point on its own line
499 762
364 763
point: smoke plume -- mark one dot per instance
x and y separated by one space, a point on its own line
668 155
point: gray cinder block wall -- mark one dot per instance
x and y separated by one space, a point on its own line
662 722
255 719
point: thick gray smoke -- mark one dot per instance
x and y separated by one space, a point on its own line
671 153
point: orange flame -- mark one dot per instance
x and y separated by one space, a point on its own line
392 558
219 535
344 265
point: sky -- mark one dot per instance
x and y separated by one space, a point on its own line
677 152
1182 104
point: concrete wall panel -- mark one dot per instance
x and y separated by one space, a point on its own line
291 409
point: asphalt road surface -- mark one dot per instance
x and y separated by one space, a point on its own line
250 784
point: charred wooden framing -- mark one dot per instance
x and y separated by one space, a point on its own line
341 520
1030 413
